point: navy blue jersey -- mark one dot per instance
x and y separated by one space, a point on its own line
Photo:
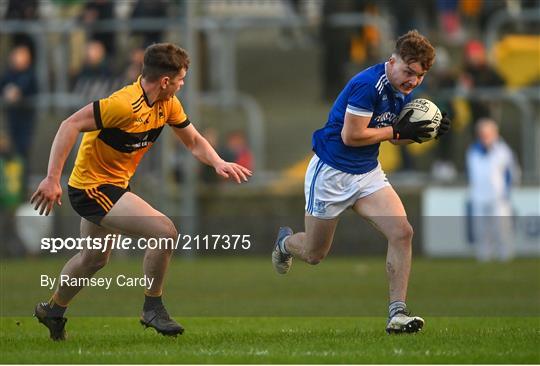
367 94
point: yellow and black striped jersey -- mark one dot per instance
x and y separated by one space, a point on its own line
127 127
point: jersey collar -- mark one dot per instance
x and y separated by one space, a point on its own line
139 82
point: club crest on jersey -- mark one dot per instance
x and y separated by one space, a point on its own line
319 207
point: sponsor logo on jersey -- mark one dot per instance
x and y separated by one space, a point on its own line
385 119
139 145
140 120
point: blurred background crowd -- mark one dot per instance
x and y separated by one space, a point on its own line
264 74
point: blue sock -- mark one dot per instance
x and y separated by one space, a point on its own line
395 307
282 247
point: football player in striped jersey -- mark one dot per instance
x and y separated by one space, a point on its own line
117 132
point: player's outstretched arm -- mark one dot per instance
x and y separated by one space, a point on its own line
49 190
204 152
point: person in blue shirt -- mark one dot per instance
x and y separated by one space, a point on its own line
345 172
18 87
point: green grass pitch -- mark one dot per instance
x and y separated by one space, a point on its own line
236 310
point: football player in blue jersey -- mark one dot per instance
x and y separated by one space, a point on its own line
345 172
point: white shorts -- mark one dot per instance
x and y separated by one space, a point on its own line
329 191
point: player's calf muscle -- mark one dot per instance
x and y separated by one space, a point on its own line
315 258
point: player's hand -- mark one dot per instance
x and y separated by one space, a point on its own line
404 129
233 171
444 127
46 195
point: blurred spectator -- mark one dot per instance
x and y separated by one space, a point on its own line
443 79
477 73
150 9
336 46
406 17
95 79
471 11
10 175
11 194
492 170
450 21
94 11
134 68
237 150
22 10
17 86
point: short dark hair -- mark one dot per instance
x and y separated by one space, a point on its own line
164 59
414 47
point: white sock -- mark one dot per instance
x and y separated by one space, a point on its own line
282 247
396 306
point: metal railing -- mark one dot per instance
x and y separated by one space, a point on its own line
504 17
222 35
53 57
223 31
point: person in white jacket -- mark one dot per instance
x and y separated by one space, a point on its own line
492 170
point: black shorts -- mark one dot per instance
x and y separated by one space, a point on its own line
94 203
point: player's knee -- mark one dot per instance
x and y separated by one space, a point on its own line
167 228
408 231
95 262
403 233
